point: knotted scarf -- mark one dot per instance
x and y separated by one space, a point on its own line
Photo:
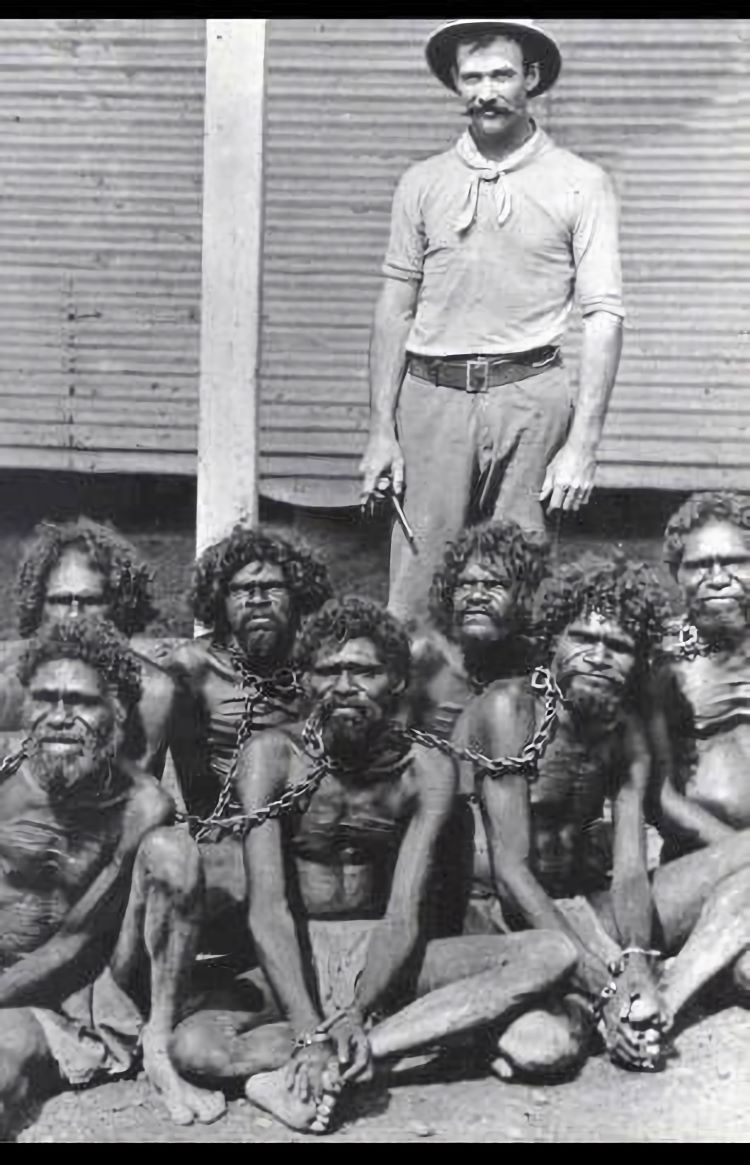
485 170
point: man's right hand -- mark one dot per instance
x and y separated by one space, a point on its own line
381 458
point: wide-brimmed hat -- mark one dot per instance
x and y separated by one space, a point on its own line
538 46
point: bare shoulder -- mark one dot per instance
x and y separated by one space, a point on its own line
190 658
506 697
158 684
149 806
264 760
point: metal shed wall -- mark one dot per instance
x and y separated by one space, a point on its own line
101 137
663 104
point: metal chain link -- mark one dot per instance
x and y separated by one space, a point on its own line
528 760
298 798
13 760
690 646
277 689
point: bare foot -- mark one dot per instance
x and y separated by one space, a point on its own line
270 1091
184 1102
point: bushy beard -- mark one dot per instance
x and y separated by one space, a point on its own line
350 732
596 709
720 623
264 644
61 775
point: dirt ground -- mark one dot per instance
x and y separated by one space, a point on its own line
702 1096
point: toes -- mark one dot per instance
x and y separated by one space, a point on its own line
179 1113
502 1068
210 1107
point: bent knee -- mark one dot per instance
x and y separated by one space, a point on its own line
741 975
197 1048
171 857
543 1043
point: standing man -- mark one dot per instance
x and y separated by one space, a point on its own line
471 410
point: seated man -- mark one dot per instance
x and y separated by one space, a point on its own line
98 905
83 567
251 589
338 892
481 605
599 619
700 711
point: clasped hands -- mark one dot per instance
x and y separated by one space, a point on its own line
634 1021
337 1052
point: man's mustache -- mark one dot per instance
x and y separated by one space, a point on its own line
485 107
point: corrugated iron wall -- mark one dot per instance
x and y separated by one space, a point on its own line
663 104
101 139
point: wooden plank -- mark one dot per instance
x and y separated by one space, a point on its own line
232 231
98 460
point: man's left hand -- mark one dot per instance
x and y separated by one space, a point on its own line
569 479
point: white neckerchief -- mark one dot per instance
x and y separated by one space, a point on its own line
486 170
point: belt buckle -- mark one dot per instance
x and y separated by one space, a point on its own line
477 375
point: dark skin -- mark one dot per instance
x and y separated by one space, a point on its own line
88 880
526 838
364 849
700 708
334 878
262 624
484 620
75 587
700 900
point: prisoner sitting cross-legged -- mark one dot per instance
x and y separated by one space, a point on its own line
338 893
99 905
542 857
700 711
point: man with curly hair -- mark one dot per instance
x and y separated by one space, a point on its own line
481 606
98 902
338 893
700 707
600 619
251 589
73 568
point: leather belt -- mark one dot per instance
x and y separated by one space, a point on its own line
481 373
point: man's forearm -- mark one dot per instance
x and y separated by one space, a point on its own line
391 945
280 956
600 359
387 364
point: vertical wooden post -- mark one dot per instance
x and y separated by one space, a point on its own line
230 314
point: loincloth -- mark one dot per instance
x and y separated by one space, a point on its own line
96 1032
339 952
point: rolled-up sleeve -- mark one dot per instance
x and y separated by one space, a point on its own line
404 258
596 249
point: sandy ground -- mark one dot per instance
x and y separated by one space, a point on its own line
702 1097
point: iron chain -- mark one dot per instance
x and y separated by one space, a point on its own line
528 760
297 799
